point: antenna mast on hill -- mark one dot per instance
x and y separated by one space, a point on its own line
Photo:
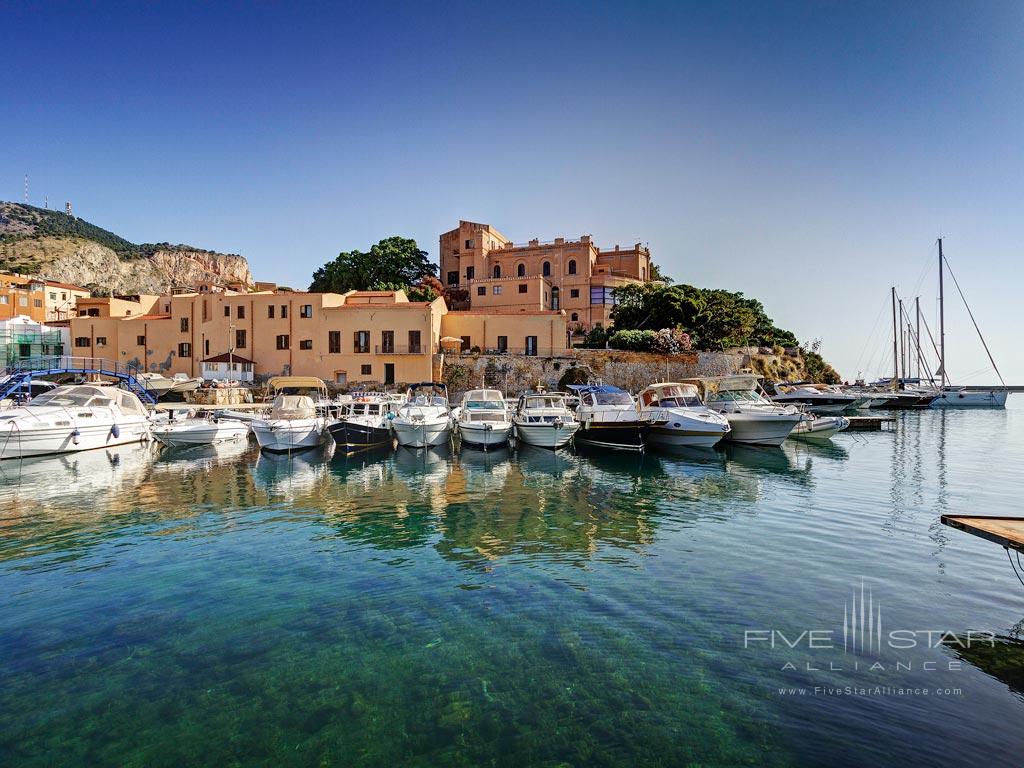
26 189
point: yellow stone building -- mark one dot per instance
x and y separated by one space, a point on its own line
377 337
573 276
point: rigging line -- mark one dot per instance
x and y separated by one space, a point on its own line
917 343
976 328
1012 565
871 333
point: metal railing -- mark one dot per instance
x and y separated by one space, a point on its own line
400 349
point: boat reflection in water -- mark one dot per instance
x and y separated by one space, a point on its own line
292 475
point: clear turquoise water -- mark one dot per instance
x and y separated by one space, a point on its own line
524 609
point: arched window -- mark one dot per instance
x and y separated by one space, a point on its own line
572 266
574 316
497 270
521 270
546 269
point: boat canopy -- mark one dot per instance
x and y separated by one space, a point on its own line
483 398
294 383
680 394
293 407
588 389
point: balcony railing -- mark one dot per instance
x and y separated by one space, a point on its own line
399 349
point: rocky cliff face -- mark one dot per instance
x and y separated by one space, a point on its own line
50 244
89 264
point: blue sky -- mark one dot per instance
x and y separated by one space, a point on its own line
808 155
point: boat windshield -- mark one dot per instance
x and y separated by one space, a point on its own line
611 398
545 402
737 395
680 402
74 397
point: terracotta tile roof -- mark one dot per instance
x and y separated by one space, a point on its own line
226 358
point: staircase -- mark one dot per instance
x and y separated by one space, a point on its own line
21 373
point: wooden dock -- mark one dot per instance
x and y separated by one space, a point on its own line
869 423
1008 532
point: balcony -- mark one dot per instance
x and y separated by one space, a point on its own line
399 349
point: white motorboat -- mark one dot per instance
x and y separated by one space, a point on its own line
425 419
813 427
292 424
200 430
609 418
752 417
156 383
365 423
185 383
543 419
79 417
681 418
816 398
484 419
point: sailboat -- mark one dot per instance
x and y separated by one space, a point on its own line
951 396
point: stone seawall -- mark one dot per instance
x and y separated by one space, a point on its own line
630 370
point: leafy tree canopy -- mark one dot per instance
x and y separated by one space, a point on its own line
713 318
394 261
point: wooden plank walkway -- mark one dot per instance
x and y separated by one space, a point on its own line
869 423
1005 531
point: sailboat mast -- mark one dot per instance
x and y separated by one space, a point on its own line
917 332
942 320
895 349
903 348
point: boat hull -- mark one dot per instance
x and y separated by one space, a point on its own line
283 435
547 434
760 429
18 443
680 437
353 436
421 434
204 434
485 434
823 428
614 435
982 398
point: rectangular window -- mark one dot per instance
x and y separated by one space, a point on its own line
23 301
361 341
414 342
496 290
37 302
481 290
240 339
470 273
227 311
453 278
523 287
6 300
241 312
387 342
184 349
503 343
531 345
366 370
306 310
81 341
282 341
270 311
284 311
305 344
101 341
53 297
334 342
141 341
574 293
599 295
206 348
467 343
93 312
184 325
469 243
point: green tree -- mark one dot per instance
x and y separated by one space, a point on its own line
394 261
